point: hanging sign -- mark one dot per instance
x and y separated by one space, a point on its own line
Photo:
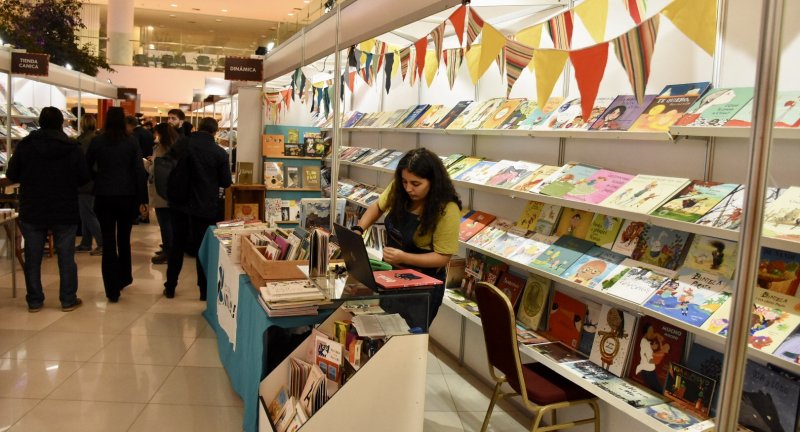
30 64
127 93
243 69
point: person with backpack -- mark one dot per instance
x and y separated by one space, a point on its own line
193 191
166 136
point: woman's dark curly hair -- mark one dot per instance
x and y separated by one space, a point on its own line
426 164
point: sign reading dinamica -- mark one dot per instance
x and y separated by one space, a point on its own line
243 69
30 64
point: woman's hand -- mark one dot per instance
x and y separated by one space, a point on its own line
393 256
143 209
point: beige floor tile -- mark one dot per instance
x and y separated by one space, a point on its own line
197 386
130 300
208 332
23 378
155 350
469 393
185 302
79 416
437 394
450 365
433 366
12 410
186 326
203 353
499 422
180 418
112 383
17 317
442 421
93 320
11 338
60 346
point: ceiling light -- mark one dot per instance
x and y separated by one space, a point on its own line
218 20
151 46
68 66
172 15
291 13
149 27
174 5
270 45
306 1
224 10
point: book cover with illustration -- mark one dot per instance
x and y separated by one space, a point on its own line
575 223
450 160
769 400
603 230
479 172
394 118
632 394
508 173
594 266
695 200
484 113
566 116
539 116
636 284
598 186
451 115
462 165
523 111
612 342
782 216
656 346
390 160
469 111
601 104
473 224
661 246
787 109
508 243
539 217
375 157
707 362
484 238
530 247
671 416
273 175
789 350
429 118
569 179
683 300
558 352
712 256
311 177
669 106
621 113
645 193
728 212
566 319
554 176
533 303
690 389
779 271
717 107
589 371
532 182
511 285
501 113
628 237
414 116
561 255
589 327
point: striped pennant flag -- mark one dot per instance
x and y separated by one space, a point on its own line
518 56
452 61
590 65
474 27
405 56
457 19
634 51
438 37
377 63
560 29
637 9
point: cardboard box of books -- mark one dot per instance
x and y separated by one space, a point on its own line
261 270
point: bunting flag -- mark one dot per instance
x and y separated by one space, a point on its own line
560 29
473 62
326 99
531 36
634 51
590 65
351 81
492 43
637 9
420 50
377 63
405 56
387 71
518 57
351 57
303 83
438 37
500 60
368 69
457 19
295 78
367 45
697 19
431 67
452 62
547 65
594 15
474 27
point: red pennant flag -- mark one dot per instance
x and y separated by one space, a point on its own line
420 50
457 19
351 81
634 10
590 65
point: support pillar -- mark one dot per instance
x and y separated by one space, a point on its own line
119 23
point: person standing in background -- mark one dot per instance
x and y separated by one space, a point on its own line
90 226
49 168
120 191
177 119
166 136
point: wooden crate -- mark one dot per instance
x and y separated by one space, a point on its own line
261 270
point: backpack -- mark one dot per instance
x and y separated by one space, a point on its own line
172 178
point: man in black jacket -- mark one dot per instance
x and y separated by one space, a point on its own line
209 173
49 168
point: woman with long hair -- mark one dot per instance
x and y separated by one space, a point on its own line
90 227
115 160
423 214
166 136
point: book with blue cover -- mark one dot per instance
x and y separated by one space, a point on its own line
414 116
562 254
684 301
590 269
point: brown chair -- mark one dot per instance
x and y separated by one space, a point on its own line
542 389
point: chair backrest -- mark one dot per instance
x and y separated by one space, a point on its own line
498 321
203 60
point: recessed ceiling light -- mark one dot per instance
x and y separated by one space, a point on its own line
172 15
224 10
173 5
291 13
218 20
149 27
262 36
211 31
306 1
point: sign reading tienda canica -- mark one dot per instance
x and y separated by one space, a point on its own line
30 64
243 69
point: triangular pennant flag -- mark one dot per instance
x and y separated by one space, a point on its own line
518 57
368 69
531 36
547 66
405 56
474 27
387 71
396 65
634 51
431 67
341 87
473 62
492 43
351 81
420 50
697 19
377 61
326 99
594 14
351 57
287 98
560 29
457 19
637 9
367 45
302 86
590 65
500 60
452 61
438 36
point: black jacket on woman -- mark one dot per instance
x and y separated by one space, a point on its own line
119 167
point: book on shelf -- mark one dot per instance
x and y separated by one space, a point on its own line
375 157
413 116
509 173
293 149
511 285
656 346
645 193
466 114
287 291
293 178
716 107
782 216
561 254
530 247
539 116
568 179
520 113
565 319
558 352
539 217
535 179
621 113
787 112
244 172
429 118
789 350
526 336
246 211
554 176
682 300
575 223
462 166
593 267
292 135
533 302
368 153
389 158
597 187
589 327
274 175
311 177
728 212
483 113
478 173
314 144
662 247
328 356
272 209
590 371
669 106
484 238
452 114
393 118
695 200
473 224
613 339
779 271
566 116
272 145
690 389
632 394
604 230
769 399
671 416
379 326
448 161
508 242
711 256
315 212
634 284
501 113
628 237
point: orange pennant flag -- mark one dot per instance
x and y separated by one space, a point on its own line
420 49
590 66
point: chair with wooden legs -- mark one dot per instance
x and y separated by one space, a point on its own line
543 390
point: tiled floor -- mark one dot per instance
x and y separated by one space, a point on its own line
150 364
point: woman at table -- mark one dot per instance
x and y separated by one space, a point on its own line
423 214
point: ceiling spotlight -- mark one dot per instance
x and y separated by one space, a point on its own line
306 1
224 10
68 66
218 20
291 13
149 27
172 15
173 5
270 45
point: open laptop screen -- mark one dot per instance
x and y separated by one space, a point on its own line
354 253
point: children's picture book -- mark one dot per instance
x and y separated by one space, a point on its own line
538 117
353 119
561 255
272 145
526 336
450 160
636 284
575 223
769 400
589 371
716 107
656 346
598 186
311 177
632 394
533 303
569 179
484 113
628 237
539 217
612 342
501 114
558 352
589 327
510 173
695 200
427 120
690 389
566 319
273 175
329 357
246 211
473 224
707 362
590 269
682 300
787 109
728 212
712 256
532 182
669 106
600 106
508 242
789 350
603 230
465 116
523 111
567 116
462 165
293 179
782 216
672 416
451 115
478 173
389 159
621 113
661 246
530 247
374 157
414 116
779 271
488 235
315 212
511 285
645 193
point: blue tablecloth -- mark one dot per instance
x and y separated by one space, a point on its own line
246 365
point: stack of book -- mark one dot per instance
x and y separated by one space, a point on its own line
291 298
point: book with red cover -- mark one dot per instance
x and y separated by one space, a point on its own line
566 319
476 221
656 346
511 285
403 278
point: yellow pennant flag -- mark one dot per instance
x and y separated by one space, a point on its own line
431 67
367 46
697 19
492 43
547 65
473 58
396 64
531 36
594 15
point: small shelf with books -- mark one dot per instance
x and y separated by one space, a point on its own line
730 132
560 133
294 190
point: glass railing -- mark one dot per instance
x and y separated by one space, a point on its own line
173 55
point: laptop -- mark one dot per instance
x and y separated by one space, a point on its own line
354 253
